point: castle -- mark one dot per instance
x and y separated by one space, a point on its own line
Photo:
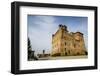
66 43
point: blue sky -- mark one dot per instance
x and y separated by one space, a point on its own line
41 28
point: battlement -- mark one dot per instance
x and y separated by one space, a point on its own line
63 26
79 33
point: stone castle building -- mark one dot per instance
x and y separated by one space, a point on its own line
65 43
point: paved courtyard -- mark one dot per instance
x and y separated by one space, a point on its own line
64 57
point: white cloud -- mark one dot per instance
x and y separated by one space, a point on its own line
41 37
41 29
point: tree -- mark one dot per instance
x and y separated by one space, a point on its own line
29 49
31 55
86 53
29 45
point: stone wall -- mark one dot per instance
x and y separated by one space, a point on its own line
65 43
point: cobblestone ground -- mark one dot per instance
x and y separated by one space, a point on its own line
64 57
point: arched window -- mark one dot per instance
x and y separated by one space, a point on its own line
65 43
65 49
74 45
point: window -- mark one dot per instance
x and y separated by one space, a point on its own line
74 45
69 51
65 43
65 49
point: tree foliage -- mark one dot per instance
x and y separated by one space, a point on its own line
31 55
29 49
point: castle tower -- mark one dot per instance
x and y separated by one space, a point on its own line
79 42
65 43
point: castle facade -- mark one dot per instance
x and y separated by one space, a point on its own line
65 43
